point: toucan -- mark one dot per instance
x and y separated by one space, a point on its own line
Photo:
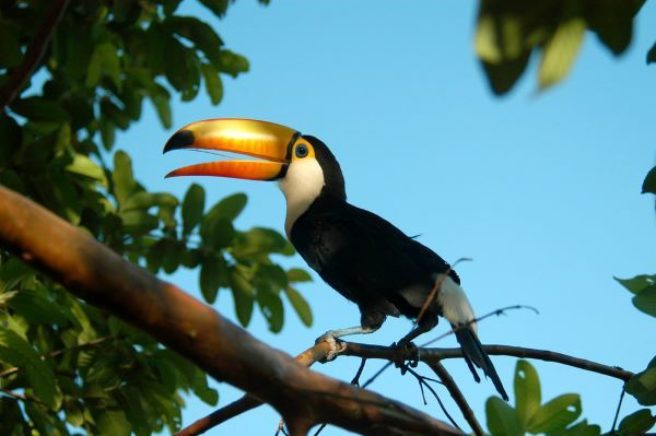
361 255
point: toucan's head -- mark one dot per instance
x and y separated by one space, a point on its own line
303 165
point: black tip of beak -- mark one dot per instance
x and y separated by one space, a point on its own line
181 139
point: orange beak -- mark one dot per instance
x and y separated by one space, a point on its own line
260 139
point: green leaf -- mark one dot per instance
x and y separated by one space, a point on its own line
649 184
651 55
501 418
645 301
556 414
213 274
181 67
297 275
272 309
40 109
243 295
84 166
16 351
107 132
145 200
613 22
560 51
218 7
162 101
637 423
213 83
261 241
638 283
232 63
193 206
200 33
11 135
104 62
527 391
499 38
10 51
230 207
299 304
123 178
580 429
113 423
643 385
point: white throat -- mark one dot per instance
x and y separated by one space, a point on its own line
301 185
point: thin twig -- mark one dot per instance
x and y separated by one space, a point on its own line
20 397
496 312
356 379
457 396
33 55
422 382
617 411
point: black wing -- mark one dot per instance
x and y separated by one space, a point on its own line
362 255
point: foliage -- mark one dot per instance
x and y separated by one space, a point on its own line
63 363
529 415
509 31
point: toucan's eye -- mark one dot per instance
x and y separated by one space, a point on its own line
301 150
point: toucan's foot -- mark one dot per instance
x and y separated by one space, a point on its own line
408 355
336 346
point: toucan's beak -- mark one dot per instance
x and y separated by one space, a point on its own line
260 139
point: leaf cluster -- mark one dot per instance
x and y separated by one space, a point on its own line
555 417
65 365
510 31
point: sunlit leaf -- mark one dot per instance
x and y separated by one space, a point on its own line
556 414
124 182
300 305
501 418
14 350
643 385
213 83
560 52
527 391
272 309
296 275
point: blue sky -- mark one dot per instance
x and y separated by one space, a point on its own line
542 190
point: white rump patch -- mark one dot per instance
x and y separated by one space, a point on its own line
301 185
454 302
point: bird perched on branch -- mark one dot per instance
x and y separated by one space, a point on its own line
361 255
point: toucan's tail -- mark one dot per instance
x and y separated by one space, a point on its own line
474 354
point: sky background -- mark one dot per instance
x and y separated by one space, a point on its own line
542 190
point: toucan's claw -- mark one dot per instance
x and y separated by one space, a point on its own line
407 356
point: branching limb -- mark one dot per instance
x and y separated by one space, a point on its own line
37 48
228 353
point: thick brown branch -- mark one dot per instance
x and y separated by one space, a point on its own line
226 352
248 402
33 55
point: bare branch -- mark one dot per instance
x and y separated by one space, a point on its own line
457 396
33 55
228 353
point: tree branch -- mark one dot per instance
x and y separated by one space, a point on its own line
457 396
429 355
33 55
228 353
